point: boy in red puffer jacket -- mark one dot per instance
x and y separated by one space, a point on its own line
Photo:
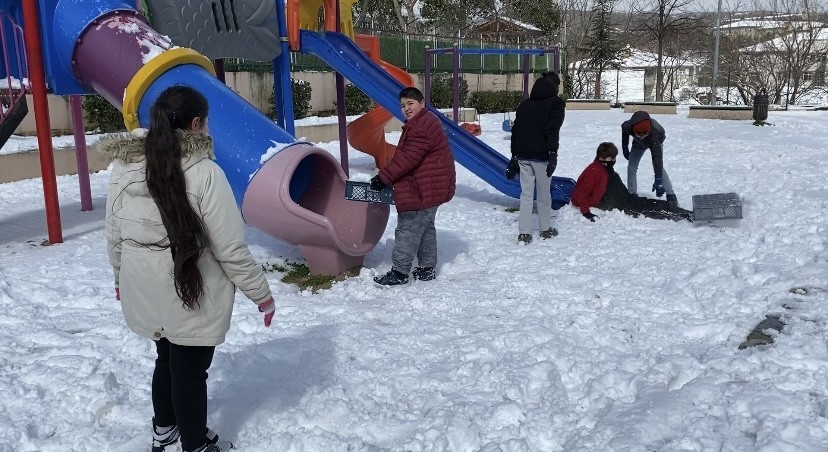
600 186
422 174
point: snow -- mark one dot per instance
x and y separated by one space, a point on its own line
20 143
618 335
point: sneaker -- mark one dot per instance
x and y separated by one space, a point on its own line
392 278
424 273
525 238
221 446
163 436
214 444
549 233
672 201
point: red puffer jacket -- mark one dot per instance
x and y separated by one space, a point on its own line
591 186
422 170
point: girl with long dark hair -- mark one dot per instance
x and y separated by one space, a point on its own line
176 243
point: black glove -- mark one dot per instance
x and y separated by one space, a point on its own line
590 216
512 169
377 183
658 186
553 162
626 153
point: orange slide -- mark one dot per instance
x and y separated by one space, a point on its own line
367 133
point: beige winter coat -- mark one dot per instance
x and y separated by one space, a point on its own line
144 271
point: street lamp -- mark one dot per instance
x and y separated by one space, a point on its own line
716 55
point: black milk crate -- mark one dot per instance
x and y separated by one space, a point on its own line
361 191
717 206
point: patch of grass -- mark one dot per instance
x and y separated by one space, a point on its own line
513 209
761 123
299 274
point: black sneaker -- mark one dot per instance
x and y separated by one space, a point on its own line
392 278
525 238
163 436
424 273
549 233
214 444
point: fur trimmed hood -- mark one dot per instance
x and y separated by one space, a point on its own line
129 146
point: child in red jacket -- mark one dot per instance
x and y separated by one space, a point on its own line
423 176
600 186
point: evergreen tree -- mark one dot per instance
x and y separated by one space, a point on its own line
601 46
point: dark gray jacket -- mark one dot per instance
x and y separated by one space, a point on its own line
654 141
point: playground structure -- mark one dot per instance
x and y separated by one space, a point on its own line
458 52
288 189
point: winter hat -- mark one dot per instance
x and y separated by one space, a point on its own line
642 128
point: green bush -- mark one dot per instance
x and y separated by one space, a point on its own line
495 101
441 92
301 93
101 115
356 102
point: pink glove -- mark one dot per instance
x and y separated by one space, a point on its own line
269 308
118 293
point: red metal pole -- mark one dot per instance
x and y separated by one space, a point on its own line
37 78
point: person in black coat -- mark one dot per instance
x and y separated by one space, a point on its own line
646 133
535 134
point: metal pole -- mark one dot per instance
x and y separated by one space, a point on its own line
219 65
455 69
427 75
716 55
525 76
340 106
37 76
80 152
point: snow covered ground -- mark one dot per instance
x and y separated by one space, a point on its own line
618 335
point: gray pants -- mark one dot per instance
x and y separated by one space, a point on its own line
632 169
533 174
415 236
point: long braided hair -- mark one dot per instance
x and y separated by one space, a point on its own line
174 111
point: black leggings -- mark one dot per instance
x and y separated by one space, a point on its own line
179 390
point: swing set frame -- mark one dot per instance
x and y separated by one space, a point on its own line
456 52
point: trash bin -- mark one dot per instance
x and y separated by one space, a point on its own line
760 106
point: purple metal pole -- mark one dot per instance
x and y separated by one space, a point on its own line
525 76
427 75
455 82
219 65
80 152
556 60
340 106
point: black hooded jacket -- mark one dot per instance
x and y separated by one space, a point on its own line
653 141
538 122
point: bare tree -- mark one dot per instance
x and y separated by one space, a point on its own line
656 23
787 58
576 17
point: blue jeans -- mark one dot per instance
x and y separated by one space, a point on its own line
632 169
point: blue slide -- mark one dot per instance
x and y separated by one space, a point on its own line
343 55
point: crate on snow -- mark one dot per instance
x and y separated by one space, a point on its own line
717 206
361 191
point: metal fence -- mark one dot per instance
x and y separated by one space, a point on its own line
408 52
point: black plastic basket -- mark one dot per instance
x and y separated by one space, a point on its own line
361 191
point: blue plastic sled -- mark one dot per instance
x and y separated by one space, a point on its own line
562 188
